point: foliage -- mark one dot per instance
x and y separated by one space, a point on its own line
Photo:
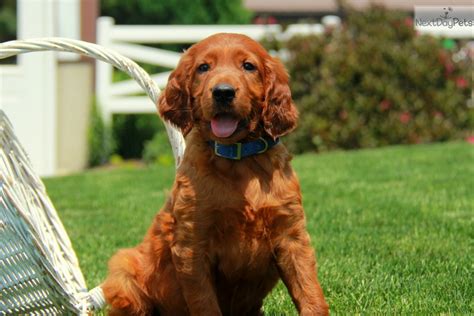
99 138
376 82
176 11
7 20
158 150
132 131
7 25
392 226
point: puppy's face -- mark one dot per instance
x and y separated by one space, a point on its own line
229 87
227 90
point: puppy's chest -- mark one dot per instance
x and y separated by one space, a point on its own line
235 218
239 244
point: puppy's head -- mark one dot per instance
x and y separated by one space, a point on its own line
229 87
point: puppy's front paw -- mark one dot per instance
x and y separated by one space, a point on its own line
121 303
320 310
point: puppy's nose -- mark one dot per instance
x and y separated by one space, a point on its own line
223 92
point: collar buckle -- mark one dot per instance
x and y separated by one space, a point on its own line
265 143
236 155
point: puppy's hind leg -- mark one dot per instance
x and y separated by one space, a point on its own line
123 288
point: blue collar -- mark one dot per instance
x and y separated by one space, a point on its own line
238 151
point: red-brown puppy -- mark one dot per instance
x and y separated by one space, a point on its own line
234 223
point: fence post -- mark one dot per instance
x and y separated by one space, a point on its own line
104 70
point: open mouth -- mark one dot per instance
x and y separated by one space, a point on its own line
224 125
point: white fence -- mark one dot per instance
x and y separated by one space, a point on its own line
118 97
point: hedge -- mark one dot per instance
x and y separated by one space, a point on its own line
374 82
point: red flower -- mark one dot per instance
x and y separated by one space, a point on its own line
461 82
448 68
272 20
405 117
442 57
343 115
470 139
259 20
385 105
408 21
265 20
438 114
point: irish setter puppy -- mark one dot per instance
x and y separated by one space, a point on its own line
233 224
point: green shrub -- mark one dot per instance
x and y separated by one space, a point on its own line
7 20
101 144
158 150
176 12
376 82
131 131
7 25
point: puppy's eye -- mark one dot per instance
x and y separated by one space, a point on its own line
249 66
203 68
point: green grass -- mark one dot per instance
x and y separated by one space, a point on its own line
393 227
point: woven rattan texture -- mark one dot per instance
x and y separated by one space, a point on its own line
39 272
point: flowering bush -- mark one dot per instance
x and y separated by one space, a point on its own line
375 82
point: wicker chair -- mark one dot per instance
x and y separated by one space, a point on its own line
39 271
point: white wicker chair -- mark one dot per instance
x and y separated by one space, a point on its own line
39 271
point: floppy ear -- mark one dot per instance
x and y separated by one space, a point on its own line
174 103
279 113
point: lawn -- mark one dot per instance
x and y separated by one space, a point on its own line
393 227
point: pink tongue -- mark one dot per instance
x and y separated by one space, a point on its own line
224 126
